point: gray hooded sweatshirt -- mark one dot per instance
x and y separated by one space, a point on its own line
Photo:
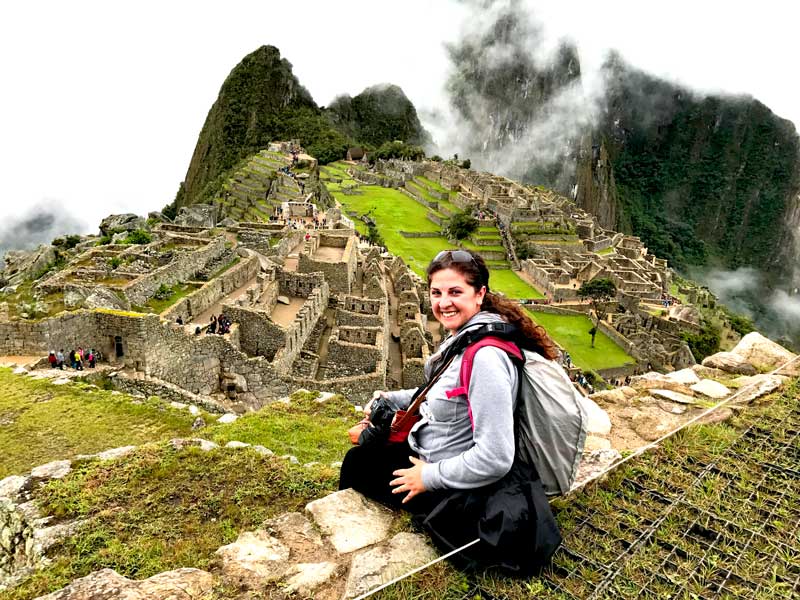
458 456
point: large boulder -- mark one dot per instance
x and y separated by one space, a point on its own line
125 222
197 215
350 520
22 265
157 215
730 363
765 354
103 297
107 584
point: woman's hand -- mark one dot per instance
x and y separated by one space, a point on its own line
409 480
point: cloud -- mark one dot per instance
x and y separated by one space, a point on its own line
38 224
787 309
732 283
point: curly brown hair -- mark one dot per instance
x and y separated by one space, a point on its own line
474 270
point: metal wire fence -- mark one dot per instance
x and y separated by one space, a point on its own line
712 513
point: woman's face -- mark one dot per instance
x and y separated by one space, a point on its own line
454 301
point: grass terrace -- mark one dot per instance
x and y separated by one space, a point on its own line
42 422
572 333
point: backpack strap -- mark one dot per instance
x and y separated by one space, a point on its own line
466 365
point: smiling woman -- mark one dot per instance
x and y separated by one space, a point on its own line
458 465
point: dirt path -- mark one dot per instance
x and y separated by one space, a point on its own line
20 361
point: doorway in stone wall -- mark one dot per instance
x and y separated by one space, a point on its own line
118 350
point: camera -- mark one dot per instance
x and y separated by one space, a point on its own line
380 419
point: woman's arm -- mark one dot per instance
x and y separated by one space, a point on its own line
491 397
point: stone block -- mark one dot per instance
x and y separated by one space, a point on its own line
350 520
710 388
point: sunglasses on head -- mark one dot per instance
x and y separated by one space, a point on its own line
455 256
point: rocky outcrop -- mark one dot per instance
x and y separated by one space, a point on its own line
198 215
766 355
107 584
117 223
21 265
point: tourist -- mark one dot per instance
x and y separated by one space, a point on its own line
92 359
459 457
60 358
212 326
197 330
78 360
179 320
71 359
51 358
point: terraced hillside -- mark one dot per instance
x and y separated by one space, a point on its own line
410 222
257 188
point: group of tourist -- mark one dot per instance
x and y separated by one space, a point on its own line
220 325
75 359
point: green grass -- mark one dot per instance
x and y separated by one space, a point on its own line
42 422
572 333
606 251
433 184
160 509
310 430
181 290
508 282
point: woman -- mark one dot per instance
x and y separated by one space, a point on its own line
456 472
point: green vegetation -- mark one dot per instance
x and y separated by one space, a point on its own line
67 242
570 333
460 226
705 343
166 296
44 422
138 236
396 149
160 509
378 114
599 292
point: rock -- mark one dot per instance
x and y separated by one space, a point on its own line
307 577
49 536
60 381
673 396
193 410
730 363
124 222
653 380
75 295
102 297
685 312
598 421
178 405
651 425
765 354
759 385
376 566
157 215
235 444
57 469
204 445
197 215
593 464
718 416
199 423
228 222
615 396
710 388
227 418
708 372
20 371
12 485
594 442
254 559
263 451
350 520
22 265
107 584
684 376
283 299
111 454
295 530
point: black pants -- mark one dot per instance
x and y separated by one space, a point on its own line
512 516
369 469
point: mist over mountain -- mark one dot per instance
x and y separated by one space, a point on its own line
39 224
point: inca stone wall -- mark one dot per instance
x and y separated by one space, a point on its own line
182 268
339 275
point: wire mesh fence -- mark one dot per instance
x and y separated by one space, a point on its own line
712 513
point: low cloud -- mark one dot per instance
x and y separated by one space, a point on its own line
39 224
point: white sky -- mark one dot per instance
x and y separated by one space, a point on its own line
101 102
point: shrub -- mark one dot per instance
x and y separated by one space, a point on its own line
702 344
461 225
138 236
467 164
114 262
163 292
